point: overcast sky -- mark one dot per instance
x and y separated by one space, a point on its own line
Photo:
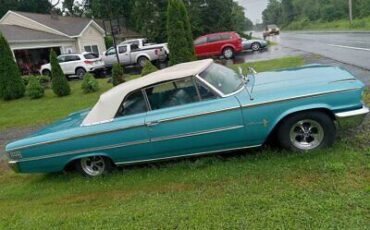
254 9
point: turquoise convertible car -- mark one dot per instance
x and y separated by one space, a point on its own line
194 109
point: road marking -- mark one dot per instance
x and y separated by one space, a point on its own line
349 47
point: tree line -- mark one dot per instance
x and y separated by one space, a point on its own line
148 17
284 12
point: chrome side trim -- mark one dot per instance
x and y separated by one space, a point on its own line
185 155
95 149
299 97
192 134
77 136
198 114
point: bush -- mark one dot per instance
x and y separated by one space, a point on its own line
148 68
59 82
34 88
89 84
44 80
117 74
11 83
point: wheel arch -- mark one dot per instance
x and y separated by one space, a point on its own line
227 46
80 67
276 124
73 159
142 55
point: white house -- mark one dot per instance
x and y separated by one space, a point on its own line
31 36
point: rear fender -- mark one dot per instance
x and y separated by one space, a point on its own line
142 55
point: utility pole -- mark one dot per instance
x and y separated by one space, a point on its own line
350 11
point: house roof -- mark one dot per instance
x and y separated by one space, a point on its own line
71 26
106 108
18 34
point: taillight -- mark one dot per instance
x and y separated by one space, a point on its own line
156 52
88 62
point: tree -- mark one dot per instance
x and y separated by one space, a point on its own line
11 83
180 38
59 83
35 6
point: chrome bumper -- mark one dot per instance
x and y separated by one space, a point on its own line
14 166
353 118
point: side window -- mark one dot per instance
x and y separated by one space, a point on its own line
61 59
172 93
200 41
133 104
226 37
111 51
122 49
205 92
214 38
72 58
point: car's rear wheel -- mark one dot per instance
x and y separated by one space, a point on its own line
94 166
228 52
307 131
80 72
141 61
256 46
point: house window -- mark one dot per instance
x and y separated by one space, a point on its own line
92 49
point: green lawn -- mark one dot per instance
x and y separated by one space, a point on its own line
26 112
261 189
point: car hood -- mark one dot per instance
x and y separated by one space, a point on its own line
301 81
71 121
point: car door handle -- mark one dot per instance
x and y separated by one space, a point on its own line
152 123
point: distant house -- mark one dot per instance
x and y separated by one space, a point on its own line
31 36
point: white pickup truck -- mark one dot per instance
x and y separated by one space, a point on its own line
133 54
143 43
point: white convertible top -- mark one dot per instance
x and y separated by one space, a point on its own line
106 108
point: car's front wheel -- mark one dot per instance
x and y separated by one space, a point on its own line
94 166
307 131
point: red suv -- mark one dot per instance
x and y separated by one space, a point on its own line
225 43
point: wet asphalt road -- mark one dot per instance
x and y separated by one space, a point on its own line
347 47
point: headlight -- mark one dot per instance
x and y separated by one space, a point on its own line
15 155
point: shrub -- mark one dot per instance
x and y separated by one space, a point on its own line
25 79
89 84
11 83
117 74
148 68
59 82
44 80
180 38
34 88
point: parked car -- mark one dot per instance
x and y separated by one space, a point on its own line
76 64
132 54
271 30
254 44
143 43
194 109
226 44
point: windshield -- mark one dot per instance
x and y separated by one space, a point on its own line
222 78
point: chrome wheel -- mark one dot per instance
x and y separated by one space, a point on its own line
306 134
93 166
